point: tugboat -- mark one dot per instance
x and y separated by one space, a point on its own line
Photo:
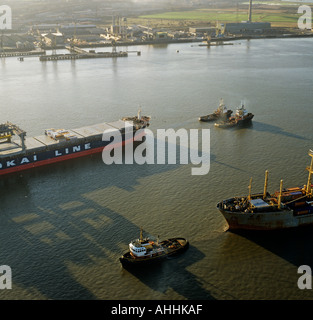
220 113
286 208
241 117
139 120
147 250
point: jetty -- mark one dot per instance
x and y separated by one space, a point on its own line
79 53
7 54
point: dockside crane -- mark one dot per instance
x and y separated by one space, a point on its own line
8 129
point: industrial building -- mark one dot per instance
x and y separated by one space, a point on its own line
53 39
162 35
244 27
14 41
210 31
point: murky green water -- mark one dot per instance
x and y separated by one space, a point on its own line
63 227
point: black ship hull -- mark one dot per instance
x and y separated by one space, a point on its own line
235 122
213 116
286 218
128 260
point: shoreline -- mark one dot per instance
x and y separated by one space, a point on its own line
13 52
192 40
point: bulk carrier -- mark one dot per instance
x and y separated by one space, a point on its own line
57 145
285 208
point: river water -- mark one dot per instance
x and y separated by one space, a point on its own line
63 227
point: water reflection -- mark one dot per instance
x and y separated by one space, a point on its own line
265 127
293 245
173 274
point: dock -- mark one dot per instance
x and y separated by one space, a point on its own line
22 53
74 54
78 53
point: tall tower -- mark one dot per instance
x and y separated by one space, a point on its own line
1 42
250 11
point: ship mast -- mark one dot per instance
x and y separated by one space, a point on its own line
139 114
250 187
280 194
310 169
250 11
265 184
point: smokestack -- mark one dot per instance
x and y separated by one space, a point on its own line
250 11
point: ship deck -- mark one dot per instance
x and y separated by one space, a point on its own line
43 142
9 148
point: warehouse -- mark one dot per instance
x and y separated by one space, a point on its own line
244 27
203 30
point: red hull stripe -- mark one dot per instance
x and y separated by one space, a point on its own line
58 159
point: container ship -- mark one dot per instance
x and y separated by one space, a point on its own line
285 208
57 145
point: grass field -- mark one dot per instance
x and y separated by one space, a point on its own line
280 17
202 15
